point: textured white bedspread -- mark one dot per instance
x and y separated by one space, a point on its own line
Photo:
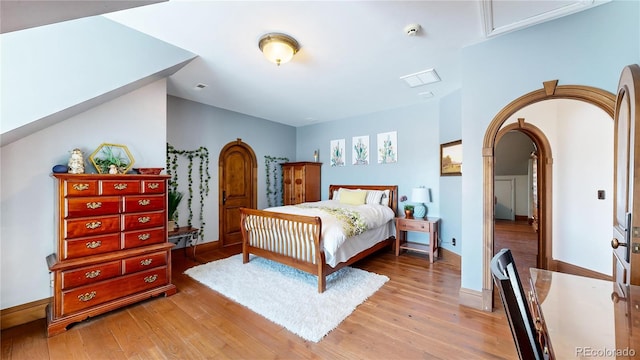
335 234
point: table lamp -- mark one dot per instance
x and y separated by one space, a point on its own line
419 196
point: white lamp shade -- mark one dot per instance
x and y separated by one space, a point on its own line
420 195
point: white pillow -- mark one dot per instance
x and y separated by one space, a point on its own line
374 196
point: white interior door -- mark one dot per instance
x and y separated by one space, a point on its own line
505 192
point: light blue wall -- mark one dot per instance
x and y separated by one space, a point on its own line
191 125
450 194
27 190
587 48
418 151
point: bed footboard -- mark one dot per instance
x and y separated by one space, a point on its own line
293 240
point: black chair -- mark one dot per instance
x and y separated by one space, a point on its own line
505 275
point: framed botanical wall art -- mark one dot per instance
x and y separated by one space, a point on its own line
388 147
360 150
337 152
451 158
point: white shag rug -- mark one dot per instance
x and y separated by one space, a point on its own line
287 296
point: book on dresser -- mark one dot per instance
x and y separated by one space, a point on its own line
111 245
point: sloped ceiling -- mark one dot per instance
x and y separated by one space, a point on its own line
53 72
24 14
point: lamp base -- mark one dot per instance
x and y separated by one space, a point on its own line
419 211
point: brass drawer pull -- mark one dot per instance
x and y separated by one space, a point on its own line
81 187
93 225
93 244
144 219
120 186
153 185
92 274
150 279
146 262
143 237
94 205
144 202
87 296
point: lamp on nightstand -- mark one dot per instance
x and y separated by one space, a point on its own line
420 196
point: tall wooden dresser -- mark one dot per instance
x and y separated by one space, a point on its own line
111 245
301 182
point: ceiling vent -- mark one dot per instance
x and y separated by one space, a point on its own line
200 86
421 78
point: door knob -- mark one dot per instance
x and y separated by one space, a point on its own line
615 243
616 298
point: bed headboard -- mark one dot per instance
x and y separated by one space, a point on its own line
393 192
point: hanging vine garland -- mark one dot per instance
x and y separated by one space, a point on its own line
172 170
272 189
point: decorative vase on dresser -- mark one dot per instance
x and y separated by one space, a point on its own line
301 182
111 245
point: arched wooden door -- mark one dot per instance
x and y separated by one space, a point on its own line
626 212
237 188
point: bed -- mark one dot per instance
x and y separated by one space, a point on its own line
294 235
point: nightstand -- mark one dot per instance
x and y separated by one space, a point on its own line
427 225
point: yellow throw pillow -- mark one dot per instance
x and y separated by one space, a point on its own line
352 197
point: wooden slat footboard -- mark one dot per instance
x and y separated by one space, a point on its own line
293 240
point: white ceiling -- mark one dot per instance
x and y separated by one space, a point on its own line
352 55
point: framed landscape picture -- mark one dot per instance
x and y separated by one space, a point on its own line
451 158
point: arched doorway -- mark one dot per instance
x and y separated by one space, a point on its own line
550 90
544 172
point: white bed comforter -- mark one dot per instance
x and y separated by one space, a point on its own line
333 230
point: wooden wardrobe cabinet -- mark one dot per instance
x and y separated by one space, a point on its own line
111 245
301 182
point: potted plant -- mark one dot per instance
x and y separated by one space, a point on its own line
112 159
408 208
408 211
174 198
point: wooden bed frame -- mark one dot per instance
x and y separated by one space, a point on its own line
294 240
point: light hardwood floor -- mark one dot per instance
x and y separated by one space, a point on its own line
522 239
415 315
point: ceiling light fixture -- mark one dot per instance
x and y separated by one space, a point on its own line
278 48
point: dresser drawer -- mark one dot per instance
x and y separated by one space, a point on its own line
90 274
81 187
144 220
153 186
92 206
144 237
95 294
143 203
91 226
409 225
144 262
119 187
75 248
